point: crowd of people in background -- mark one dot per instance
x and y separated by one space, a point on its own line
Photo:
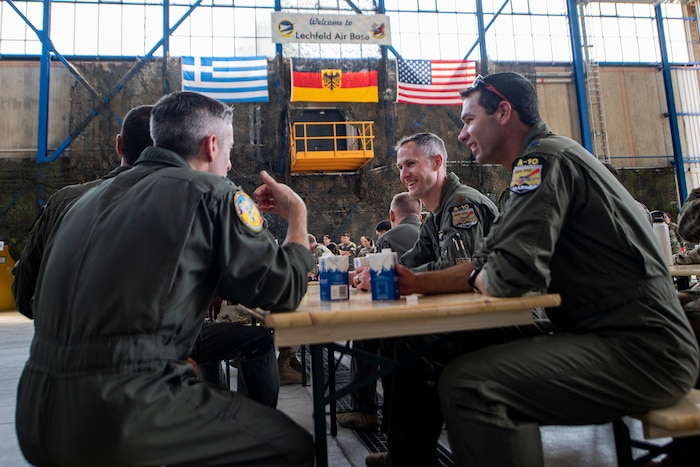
346 247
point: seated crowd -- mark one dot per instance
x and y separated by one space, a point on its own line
176 235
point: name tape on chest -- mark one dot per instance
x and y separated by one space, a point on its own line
247 211
527 174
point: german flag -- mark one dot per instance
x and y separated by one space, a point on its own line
333 81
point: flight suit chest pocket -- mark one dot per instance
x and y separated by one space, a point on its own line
453 248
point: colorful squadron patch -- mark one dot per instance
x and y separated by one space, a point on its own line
248 211
527 175
464 216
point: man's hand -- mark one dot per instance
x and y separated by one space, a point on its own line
278 198
360 279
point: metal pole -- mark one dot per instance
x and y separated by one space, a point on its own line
671 103
44 80
579 78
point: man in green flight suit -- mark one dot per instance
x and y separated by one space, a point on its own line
460 216
620 342
129 143
251 346
126 280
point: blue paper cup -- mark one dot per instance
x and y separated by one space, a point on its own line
333 278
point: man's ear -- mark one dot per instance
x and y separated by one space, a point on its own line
438 161
118 144
505 111
211 147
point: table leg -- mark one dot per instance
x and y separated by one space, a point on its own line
303 366
332 367
319 405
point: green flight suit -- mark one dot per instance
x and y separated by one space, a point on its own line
449 235
401 238
621 342
127 278
27 268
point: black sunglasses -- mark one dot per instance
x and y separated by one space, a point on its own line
479 81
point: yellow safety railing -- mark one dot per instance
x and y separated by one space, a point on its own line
331 146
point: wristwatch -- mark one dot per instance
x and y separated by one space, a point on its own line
472 278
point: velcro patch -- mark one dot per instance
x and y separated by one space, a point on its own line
464 216
248 211
527 174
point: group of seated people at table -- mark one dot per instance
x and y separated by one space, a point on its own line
131 266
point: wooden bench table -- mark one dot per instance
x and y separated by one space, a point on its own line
678 421
322 323
683 272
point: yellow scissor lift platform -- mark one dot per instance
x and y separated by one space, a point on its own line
331 146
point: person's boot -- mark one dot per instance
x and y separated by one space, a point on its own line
376 459
295 363
288 375
358 421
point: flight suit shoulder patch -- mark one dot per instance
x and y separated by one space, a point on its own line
527 174
463 216
247 211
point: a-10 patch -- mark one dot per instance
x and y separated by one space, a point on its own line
527 174
464 216
248 211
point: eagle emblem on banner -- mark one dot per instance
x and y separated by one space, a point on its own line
331 79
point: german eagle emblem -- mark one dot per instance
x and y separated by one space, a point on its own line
331 79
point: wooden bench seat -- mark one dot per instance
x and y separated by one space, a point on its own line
678 421
682 419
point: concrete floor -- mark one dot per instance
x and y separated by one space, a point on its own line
587 446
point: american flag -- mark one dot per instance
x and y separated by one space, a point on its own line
433 82
227 79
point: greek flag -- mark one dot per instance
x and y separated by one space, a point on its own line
227 79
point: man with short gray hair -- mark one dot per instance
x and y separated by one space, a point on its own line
122 293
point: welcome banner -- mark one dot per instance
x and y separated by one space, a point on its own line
338 29
334 81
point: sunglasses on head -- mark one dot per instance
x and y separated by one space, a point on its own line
479 81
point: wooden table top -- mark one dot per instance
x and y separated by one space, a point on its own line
685 270
316 321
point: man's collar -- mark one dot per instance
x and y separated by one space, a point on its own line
162 156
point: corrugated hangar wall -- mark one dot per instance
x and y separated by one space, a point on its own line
352 202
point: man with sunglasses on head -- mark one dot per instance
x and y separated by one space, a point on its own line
620 342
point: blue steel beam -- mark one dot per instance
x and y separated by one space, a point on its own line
671 103
354 7
44 77
107 99
45 74
388 114
481 41
579 78
484 61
